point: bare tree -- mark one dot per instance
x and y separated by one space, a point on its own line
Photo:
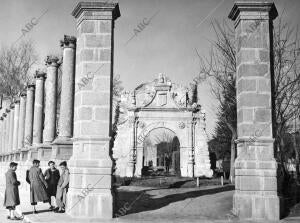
15 65
220 69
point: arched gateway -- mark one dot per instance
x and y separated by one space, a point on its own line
172 109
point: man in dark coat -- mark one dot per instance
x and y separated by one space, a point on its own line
11 198
62 188
38 185
51 177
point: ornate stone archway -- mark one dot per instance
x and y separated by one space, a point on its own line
161 104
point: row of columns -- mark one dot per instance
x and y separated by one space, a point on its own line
30 121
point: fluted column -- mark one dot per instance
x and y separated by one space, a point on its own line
51 95
11 127
16 125
29 115
21 128
67 90
38 107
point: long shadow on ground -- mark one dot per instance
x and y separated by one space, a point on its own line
140 201
39 211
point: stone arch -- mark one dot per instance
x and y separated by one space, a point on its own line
156 125
161 152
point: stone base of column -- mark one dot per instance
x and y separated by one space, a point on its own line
32 153
61 152
255 195
190 169
249 206
130 169
203 170
44 152
90 195
63 140
24 154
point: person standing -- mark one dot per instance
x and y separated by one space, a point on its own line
51 177
62 188
38 185
167 162
11 197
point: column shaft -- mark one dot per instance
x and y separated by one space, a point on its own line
21 128
38 108
4 137
16 125
11 127
67 90
29 115
1 133
50 104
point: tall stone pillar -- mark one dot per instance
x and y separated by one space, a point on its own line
255 167
67 90
29 115
22 120
38 108
11 127
91 163
50 105
16 125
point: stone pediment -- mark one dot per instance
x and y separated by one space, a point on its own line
158 94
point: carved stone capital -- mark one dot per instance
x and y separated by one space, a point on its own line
30 86
17 101
52 61
23 94
39 74
68 41
181 125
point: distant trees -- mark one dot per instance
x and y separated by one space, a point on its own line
15 64
219 69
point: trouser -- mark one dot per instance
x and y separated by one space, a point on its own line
61 197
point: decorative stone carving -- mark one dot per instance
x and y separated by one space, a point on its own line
141 124
181 125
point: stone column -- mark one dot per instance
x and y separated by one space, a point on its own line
255 167
91 163
50 104
11 127
38 108
67 90
22 120
16 125
4 136
29 115
1 134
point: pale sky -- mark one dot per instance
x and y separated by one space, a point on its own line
167 45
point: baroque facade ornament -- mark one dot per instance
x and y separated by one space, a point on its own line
181 125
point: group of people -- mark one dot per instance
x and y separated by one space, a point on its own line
43 187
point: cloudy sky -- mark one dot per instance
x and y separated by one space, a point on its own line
167 45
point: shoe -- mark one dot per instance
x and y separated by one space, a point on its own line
61 211
16 218
34 212
8 217
51 207
55 209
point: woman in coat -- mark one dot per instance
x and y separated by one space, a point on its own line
11 198
52 177
38 185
